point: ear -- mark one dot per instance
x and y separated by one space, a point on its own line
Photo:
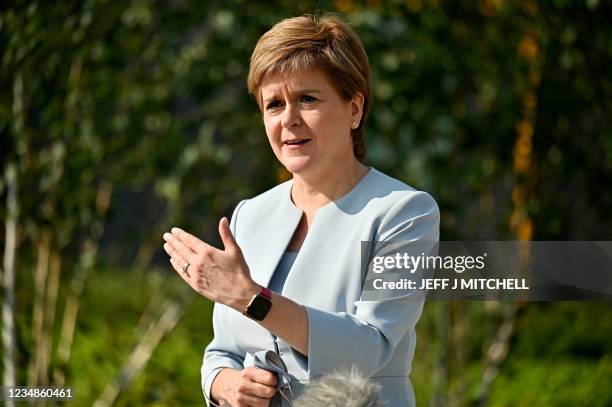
357 107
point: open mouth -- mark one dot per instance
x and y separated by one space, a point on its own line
296 142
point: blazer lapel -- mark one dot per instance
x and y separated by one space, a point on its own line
278 227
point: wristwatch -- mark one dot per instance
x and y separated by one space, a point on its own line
260 305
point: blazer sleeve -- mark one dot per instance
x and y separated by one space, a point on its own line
369 337
223 351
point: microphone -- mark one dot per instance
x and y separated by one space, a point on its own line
341 388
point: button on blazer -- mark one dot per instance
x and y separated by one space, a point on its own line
345 329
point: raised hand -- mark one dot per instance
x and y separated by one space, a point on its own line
219 275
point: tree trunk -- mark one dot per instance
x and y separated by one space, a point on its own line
497 351
55 267
440 370
40 282
77 284
8 279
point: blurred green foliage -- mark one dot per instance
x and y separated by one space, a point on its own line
150 98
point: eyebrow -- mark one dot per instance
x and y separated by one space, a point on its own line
300 91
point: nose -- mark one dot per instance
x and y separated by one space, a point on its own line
291 116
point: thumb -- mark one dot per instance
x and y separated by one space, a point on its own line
229 243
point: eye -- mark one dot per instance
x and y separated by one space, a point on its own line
308 99
275 104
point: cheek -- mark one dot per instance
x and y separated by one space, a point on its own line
269 126
332 129
272 131
334 121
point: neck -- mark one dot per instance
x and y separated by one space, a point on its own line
312 191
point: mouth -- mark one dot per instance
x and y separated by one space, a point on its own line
296 142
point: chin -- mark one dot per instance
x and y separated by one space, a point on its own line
297 165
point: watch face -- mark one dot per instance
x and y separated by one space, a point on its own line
259 307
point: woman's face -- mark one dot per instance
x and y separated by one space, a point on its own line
308 123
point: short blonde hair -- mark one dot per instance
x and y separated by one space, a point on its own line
313 42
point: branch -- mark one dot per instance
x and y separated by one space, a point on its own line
140 355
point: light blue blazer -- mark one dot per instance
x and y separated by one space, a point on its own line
344 329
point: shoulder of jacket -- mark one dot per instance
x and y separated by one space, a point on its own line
391 191
266 200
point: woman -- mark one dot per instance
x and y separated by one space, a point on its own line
311 79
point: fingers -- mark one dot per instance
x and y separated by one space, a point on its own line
239 390
213 273
260 376
226 234
188 240
178 267
260 390
176 251
257 383
248 400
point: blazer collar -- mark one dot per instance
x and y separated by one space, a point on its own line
282 220
281 223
